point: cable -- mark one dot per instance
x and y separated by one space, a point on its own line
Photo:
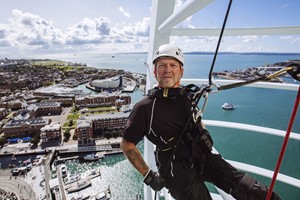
284 145
218 45
271 76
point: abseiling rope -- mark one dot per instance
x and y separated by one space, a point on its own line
284 145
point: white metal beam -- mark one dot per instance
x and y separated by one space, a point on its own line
291 30
260 84
180 14
248 127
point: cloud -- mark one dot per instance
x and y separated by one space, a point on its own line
27 31
88 31
286 37
248 39
125 13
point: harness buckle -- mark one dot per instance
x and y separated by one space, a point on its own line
165 93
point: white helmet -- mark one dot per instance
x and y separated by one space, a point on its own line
168 50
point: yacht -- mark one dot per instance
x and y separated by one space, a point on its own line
79 186
71 179
63 169
228 106
94 156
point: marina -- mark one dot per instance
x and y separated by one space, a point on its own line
61 181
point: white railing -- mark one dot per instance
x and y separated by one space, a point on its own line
241 166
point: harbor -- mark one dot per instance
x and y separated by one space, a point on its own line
46 179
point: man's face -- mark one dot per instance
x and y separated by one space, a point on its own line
168 72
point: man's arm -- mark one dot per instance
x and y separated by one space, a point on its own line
134 156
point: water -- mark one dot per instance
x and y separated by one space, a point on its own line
263 107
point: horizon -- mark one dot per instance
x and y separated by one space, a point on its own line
39 28
186 53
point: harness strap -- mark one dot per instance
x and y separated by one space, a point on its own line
166 92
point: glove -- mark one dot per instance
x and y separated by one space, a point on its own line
154 180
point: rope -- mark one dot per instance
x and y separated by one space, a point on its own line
218 45
283 148
271 76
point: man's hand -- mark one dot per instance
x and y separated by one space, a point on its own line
154 180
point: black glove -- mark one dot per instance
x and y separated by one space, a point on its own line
154 180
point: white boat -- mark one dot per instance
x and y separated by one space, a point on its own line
79 186
228 106
63 170
93 156
72 179
103 195
82 197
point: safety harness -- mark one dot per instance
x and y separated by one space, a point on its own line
192 130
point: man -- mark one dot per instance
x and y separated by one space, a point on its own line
183 147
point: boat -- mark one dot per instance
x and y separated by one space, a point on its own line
63 169
71 179
228 106
82 197
93 156
94 173
103 195
80 185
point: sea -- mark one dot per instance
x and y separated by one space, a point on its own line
270 108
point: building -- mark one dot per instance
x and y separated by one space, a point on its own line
102 100
63 101
110 83
45 108
24 128
84 132
89 127
51 132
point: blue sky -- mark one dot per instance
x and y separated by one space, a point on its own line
37 27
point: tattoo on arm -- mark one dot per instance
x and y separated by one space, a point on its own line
136 159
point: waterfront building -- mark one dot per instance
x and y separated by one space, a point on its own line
84 132
23 128
103 99
89 127
51 132
110 83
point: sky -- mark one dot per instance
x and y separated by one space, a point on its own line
37 27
